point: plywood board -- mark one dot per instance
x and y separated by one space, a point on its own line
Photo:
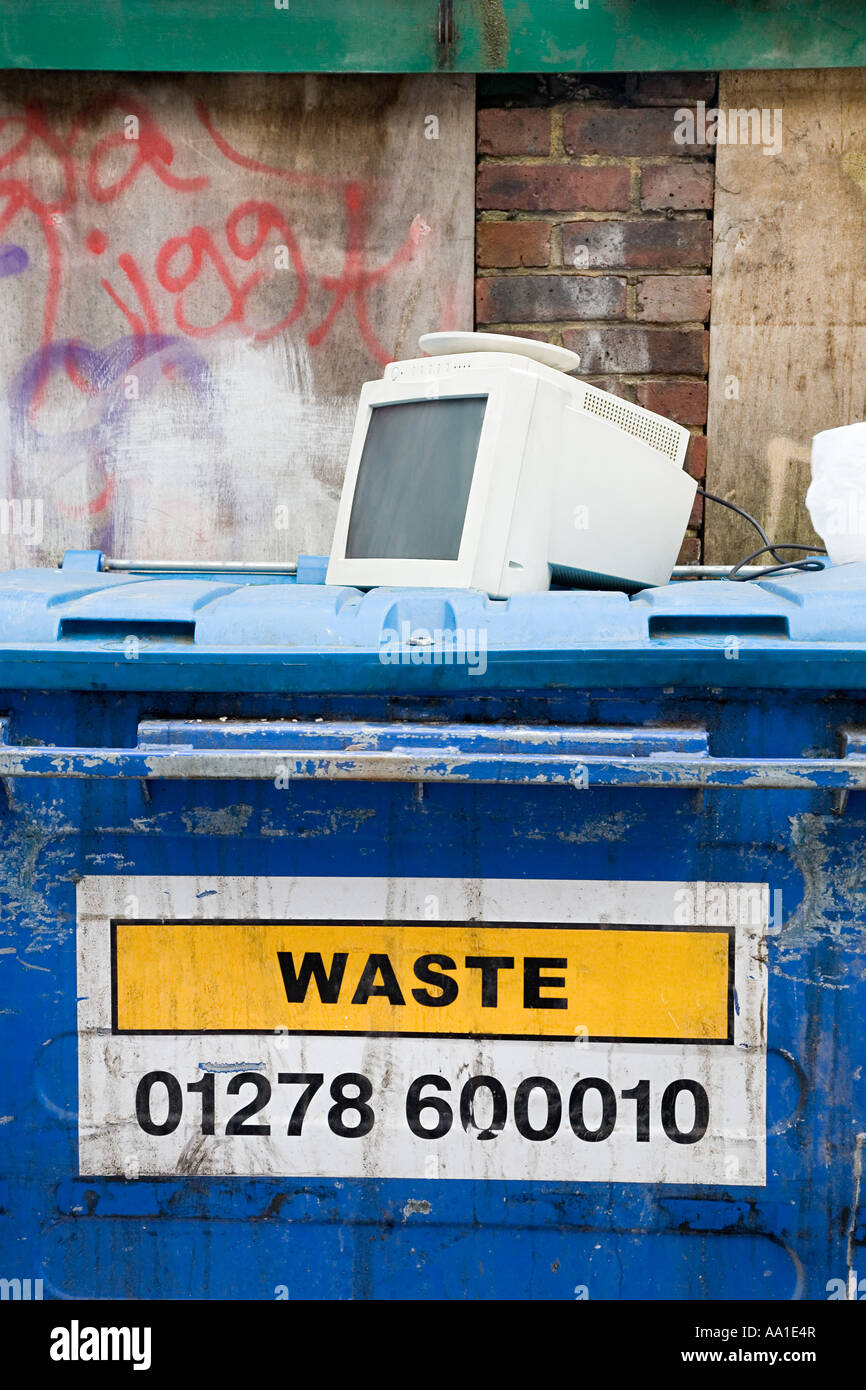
788 319
196 276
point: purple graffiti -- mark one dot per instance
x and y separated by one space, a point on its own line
13 259
100 373
115 380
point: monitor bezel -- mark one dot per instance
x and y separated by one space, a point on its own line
510 400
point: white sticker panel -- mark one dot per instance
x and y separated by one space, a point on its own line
531 1030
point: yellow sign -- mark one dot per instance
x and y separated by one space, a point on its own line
471 980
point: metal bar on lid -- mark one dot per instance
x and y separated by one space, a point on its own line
200 566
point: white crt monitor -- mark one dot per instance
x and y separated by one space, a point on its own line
485 466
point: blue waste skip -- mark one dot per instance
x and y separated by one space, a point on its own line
414 944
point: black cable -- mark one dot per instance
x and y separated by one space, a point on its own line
769 546
776 569
732 506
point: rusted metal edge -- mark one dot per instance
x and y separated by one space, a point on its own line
186 764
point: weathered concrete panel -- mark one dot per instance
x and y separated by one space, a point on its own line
196 276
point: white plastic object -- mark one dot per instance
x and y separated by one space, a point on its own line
836 499
444 344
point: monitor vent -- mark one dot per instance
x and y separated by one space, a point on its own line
661 435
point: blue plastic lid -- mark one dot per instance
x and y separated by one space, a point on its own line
82 628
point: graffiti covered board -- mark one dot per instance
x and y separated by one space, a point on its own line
196 276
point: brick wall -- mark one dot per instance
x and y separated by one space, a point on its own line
595 231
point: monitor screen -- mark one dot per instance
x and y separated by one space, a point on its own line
414 478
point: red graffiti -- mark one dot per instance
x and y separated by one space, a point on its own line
96 241
355 278
183 258
268 218
301 177
201 248
130 269
94 505
22 198
149 149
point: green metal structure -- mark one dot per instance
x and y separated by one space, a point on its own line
430 35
